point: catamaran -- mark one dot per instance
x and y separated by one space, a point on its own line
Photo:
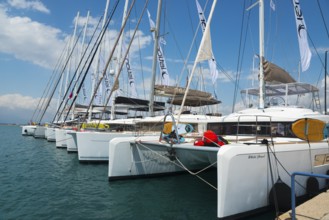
255 155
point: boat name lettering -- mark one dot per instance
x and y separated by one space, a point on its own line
321 159
257 156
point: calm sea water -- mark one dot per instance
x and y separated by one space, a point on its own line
40 181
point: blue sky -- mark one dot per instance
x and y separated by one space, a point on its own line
33 33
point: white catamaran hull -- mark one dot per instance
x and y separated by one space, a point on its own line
94 146
71 141
60 135
145 156
28 130
40 132
245 178
50 134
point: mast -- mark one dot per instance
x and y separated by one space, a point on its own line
261 55
75 30
325 83
155 49
83 48
96 76
81 57
60 94
119 58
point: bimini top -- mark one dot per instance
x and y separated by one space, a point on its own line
295 88
137 104
274 74
194 97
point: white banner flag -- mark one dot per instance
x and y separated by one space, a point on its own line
208 55
305 52
131 79
272 5
161 58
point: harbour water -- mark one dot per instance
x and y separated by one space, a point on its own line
40 181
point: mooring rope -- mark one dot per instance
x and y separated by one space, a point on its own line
181 165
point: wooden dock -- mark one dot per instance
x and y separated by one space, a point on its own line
315 208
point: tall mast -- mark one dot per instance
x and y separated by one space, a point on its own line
60 94
81 57
325 83
96 76
73 39
155 50
261 55
119 58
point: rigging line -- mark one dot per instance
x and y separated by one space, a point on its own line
45 93
272 142
96 46
179 165
317 53
189 53
274 153
108 61
270 31
44 97
193 31
196 173
176 43
226 73
190 19
186 60
310 154
287 172
240 65
324 22
237 79
49 83
272 177
52 94
91 56
82 81
76 71
61 75
140 59
128 48
189 14
69 86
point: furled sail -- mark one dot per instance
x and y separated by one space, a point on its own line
137 104
274 74
193 98
211 62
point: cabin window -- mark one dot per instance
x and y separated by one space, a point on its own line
157 126
149 126
274 129
121 127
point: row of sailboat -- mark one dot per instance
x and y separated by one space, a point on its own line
255 150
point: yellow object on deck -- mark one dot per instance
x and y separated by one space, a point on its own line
309 129
167 128
95 125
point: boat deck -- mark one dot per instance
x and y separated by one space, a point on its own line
315 208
